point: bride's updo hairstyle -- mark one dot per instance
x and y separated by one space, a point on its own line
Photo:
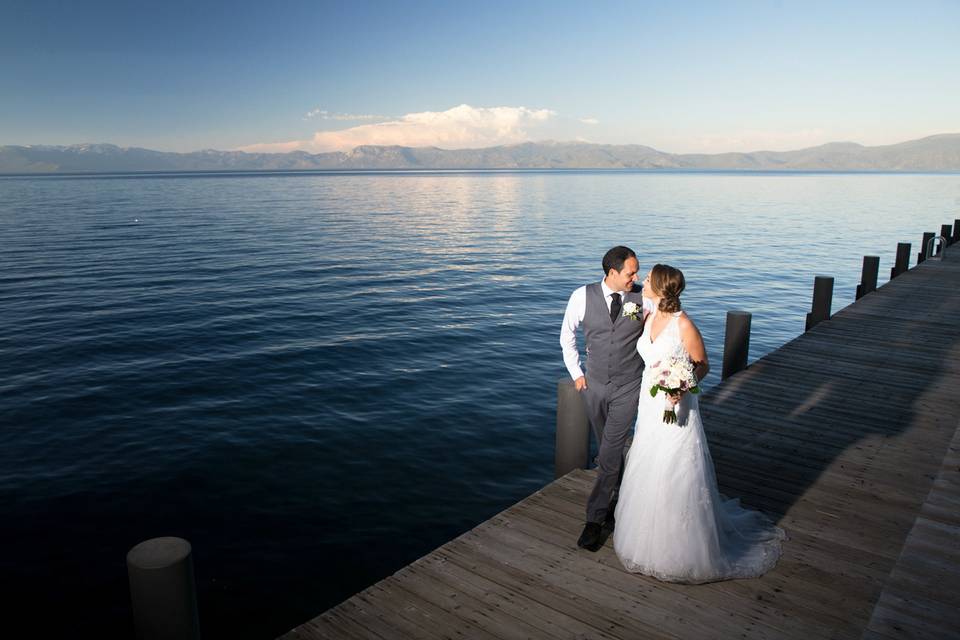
668 283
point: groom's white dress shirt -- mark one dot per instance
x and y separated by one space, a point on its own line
576 309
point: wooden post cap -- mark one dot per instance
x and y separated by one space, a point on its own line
158 553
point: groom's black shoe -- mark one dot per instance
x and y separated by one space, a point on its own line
592 537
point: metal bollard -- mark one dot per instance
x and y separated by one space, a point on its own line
903 260
736 342
162 590
822 300
868 277
923 246
945 232
573 430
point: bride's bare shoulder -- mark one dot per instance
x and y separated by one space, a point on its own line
685 323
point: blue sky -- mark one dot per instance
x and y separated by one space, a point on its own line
688 77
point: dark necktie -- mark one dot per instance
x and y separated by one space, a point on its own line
615 306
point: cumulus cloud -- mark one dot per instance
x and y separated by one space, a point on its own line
457 128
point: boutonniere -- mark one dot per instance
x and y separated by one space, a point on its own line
631 310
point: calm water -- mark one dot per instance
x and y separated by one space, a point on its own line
318 378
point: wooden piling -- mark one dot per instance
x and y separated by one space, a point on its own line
902 263
573 430
868 276
162 590
927 235
822 301
736 342
947 233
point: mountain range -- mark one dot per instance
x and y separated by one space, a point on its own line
933 153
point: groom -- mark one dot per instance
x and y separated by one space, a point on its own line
611 386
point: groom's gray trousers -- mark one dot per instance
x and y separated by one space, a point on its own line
612 410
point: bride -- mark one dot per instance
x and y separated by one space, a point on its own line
671 522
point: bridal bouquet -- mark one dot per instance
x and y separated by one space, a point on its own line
674 374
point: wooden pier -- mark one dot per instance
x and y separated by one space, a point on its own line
847 435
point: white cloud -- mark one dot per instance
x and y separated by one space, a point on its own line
457 128
323 114
589 121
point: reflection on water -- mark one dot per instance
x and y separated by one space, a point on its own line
318 378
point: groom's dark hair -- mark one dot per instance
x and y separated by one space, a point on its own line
615 258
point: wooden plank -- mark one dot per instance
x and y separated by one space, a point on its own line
553 597
554 520
898 618
841 572
424 584
381 623
550 623
392 599
335 624
560 581
921 597
710 597
678 614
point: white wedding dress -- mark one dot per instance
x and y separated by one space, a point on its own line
671 522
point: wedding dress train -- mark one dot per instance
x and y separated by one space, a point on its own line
671 521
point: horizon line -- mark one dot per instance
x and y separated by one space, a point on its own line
290 172
518 144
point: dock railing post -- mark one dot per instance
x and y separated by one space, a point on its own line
956 231
903 260
573 430
945 231
822 300
736 342
868 277
162 590
923 246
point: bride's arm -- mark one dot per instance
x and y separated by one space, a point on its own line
693 343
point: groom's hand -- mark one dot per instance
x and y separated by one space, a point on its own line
580 383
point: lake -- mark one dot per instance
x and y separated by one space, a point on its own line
317 378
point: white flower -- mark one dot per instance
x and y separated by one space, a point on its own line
674 373
632 311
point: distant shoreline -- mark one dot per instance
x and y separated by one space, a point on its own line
440 171
933 154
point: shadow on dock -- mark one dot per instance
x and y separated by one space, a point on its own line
881 373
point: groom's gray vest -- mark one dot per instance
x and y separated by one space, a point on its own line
612 345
